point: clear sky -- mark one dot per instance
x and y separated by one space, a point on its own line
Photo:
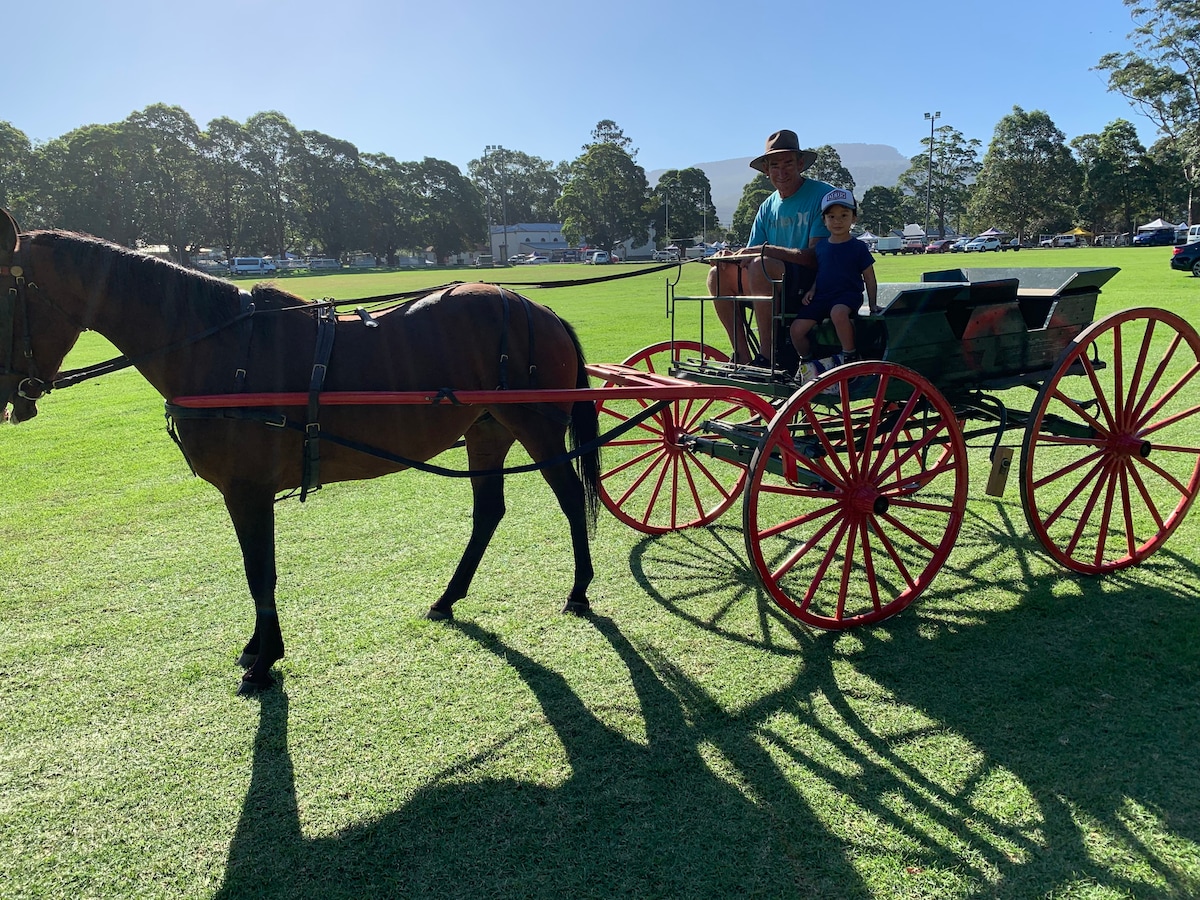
688 82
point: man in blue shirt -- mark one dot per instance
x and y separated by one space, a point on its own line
787 221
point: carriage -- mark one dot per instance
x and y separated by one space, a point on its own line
853 489
853 485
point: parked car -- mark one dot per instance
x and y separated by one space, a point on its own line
960 245
1187 258
535 260
251 265
983 244
942 245
597 258
666 256
1060 240
1161 237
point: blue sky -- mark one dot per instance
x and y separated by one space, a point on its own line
689 82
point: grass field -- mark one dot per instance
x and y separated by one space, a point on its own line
1018 732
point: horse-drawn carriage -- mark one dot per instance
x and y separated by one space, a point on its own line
853 486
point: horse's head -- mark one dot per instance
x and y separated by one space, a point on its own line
35 336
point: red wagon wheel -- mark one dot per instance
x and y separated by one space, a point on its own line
1110 462
856 495
653 479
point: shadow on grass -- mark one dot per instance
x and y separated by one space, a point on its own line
631 820
1022 749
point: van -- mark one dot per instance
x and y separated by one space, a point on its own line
1193 234
251 265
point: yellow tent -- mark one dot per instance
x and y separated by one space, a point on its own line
1079 232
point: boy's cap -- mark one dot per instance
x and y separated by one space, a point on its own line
838 197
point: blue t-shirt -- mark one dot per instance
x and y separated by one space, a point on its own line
791 222
839 272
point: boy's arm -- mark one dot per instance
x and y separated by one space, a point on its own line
872 287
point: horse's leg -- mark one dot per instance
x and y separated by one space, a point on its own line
569 491
252 510
488 443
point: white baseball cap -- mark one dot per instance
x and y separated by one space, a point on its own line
838 197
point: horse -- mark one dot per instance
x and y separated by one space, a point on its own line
191 335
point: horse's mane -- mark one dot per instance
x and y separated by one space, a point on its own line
118 269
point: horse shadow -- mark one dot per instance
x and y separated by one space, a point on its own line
593 835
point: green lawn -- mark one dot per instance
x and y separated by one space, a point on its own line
1018 732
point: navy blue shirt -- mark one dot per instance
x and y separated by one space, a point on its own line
839 273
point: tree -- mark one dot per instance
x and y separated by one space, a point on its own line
449 210
881 209
389 204
16 156
524 187
758 189
955 165
1161 76
604 199
165 144
272 147
1116 185
681 204
828 168
225 183
329 193
1029 180
608 132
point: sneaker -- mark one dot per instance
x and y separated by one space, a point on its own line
760 362
809 369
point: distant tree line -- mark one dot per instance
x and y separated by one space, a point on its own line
265 187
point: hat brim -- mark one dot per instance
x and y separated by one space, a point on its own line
807 158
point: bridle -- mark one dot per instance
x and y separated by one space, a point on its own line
14 343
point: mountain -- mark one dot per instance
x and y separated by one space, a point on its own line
870 164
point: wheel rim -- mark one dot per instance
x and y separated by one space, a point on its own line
846 532
1108 469
653 481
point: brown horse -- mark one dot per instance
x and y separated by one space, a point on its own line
193 335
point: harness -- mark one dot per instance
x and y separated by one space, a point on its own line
12 343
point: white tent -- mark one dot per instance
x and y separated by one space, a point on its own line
914 230
867 236
1157 224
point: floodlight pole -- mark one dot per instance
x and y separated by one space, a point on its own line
932 117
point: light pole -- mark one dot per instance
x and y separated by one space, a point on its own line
932 117
492 148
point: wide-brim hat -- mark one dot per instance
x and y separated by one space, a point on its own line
784 141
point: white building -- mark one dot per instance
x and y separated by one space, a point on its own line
540 238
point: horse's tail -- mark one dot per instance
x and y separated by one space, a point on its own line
585 429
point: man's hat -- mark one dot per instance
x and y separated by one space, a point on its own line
784 142
838 197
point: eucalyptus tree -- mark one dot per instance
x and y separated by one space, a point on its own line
273 147
681 204
604 199
329 194
389 204
880 209
828 167
1161 76
225 183
1116 181
515 186
1029 181
16 156
88 182
944 182
166 161
448 214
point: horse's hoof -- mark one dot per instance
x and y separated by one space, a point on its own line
252 688
246 660
577 607
439 615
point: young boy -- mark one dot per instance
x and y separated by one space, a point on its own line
844 268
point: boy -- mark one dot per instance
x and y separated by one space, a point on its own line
844 268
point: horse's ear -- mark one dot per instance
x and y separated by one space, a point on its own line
8 237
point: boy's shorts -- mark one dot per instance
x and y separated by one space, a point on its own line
819 310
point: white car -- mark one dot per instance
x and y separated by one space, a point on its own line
535 260
666 256
983 243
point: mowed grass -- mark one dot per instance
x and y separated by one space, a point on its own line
1019 732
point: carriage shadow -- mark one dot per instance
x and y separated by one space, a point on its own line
592 836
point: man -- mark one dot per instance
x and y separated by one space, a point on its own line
787 225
